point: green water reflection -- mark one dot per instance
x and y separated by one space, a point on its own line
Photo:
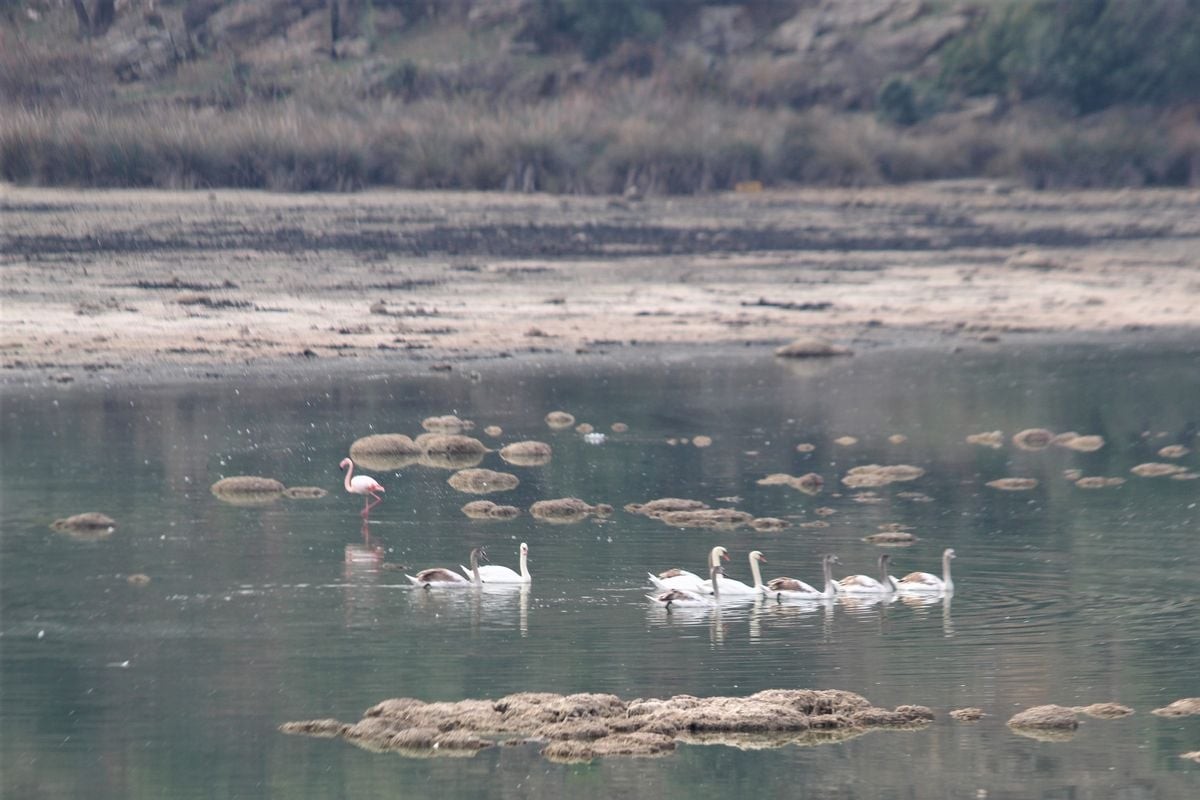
254 616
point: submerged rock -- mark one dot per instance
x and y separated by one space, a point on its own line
969 714
809 483
812 348
1184 707
559 420
1013 484
992 439
483 481
486 509
1033 439
387 451
527 454
1156 470
248 490
1048 717
304 492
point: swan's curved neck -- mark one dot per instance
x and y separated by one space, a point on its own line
714 557
757 575
827 567
713 573
349 472
884 578
524 565
948 584
475 568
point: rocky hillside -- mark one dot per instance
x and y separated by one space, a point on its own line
780 80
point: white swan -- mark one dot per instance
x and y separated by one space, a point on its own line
492 573
865 584
438 576
925 583
685 599
792 589
685 580
736 588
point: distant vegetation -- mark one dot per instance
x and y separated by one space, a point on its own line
666 96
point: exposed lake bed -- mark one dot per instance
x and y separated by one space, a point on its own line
161 653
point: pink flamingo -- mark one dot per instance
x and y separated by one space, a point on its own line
362 484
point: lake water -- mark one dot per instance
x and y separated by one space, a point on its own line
254 617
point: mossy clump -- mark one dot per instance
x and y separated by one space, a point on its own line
248 490
527 454
812 348
992 439
387 451
1013 484
483 481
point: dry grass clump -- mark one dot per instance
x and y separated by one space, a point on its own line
483 481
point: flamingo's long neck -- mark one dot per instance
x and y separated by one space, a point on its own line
947 584
349 472
757 575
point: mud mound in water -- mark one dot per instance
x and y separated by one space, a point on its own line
388 451
89 522
809 483
527 454
1098 482
483 481
873 475
1105 710
892 533
494 431
619 427
769 524
992 439
812 348
1033 439
558 420
248 490
805 447
718 518
1081 444
846 441
486 509
1049 717
1180 708
449 451
1173 451
567 510
304 492
970 714
1156 470
1013 484
582 727
447 423
663 505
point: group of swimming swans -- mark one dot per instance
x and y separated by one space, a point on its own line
682 588
679 587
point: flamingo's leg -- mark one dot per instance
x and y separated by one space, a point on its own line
375 500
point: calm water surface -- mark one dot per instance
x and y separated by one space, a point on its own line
255 617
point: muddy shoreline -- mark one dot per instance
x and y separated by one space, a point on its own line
105 286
